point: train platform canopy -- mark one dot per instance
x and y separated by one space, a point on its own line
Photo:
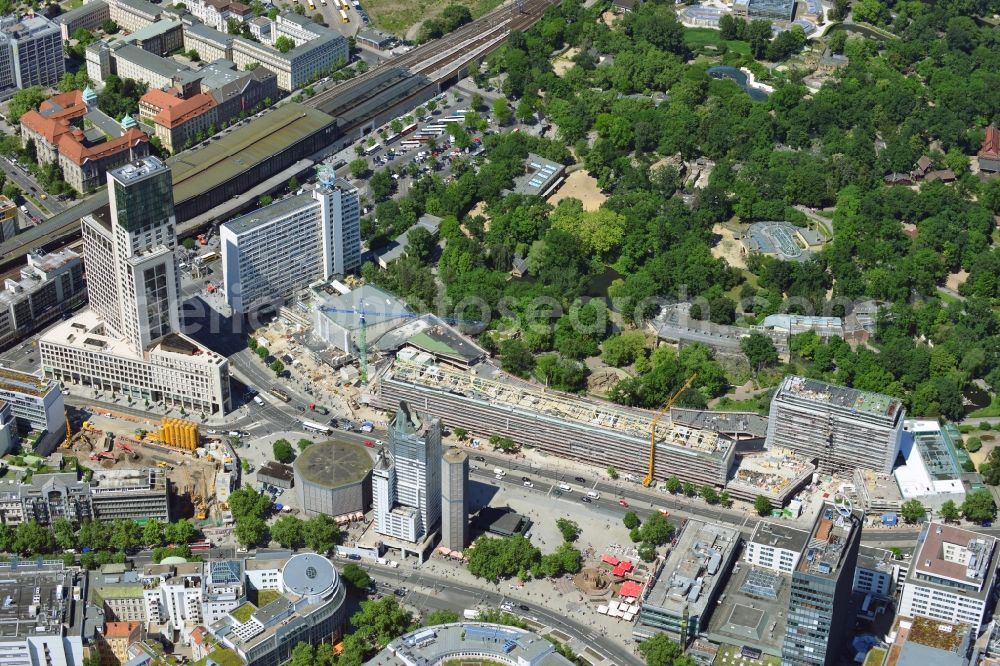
383 91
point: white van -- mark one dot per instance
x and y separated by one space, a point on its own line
566 487
259 400
499 472
593 494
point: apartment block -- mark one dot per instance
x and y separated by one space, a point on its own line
317 51
821 609
31 53
42 615
216 13
840 428
36 403
128 341
952 576
50 286
87 16
274 251
113 643
133 15
211 44
172 595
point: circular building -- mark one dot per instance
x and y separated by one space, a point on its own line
313 578
333 478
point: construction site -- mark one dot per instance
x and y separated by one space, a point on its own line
200 470
557 423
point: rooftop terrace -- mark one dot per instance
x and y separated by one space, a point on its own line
828 541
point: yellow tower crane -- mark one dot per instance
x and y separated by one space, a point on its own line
652 427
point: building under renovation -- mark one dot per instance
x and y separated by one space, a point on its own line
560 424
841 428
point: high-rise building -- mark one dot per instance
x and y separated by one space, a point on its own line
454 499
821 610
270 253
37 405
951 576
31 53
406 481
129 342
841 428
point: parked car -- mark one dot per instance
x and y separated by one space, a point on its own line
580 479
586 500
369 443
623 503
529 484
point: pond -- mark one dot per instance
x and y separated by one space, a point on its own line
974 398
598 287
741 79
853 28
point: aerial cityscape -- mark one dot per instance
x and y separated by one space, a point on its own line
524 332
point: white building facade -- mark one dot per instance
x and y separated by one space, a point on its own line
269 254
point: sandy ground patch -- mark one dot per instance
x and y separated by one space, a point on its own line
564 63
956 280
609 18
729 247
478 209
980 456
580 185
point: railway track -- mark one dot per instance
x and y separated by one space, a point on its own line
507 17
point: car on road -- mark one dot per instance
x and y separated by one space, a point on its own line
524 478
566 487
557 493
523 607
580 479
400 591
378 442
369 443
507 606
498 477
529 484
480 459
586 500
623 503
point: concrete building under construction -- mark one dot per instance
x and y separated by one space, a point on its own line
841 428
564 425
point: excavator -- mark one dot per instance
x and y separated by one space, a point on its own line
656 419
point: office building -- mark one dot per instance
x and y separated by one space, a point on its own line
407 478
776 547
209 43
109 495
932 468
223 589
272 252
821 610
683 593
455 499
841 428
160 38
133 15
88 16
37 406
216 13
31 53
42 619
318 50
305 603
467 642
335 323
50 286
951 576
921 641
128 341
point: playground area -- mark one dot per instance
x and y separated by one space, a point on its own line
781 240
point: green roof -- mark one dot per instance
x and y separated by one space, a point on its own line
264 597
243 612
117 592
202 169
222 657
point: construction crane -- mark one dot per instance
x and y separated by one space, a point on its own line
652 427
363 316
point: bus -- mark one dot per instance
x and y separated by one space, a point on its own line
312 426
409 129
392 137
343 17
343 3
280 395
374 148
200 545
208 258
410 144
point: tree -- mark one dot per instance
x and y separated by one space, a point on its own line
110 27
321 533
251 531
303 654
759 36
661 651
566 559
152 533
263 352
355 576
689 489
912 511
284 44
288 531
264 200
612 472
460 433
515 357
304 444
674 485
277 366
624 349
180 531
647 552
657 530
569 529
189 244
631 520
949 512
246 501
23 101
64 534
501 111
759 350
978 506
494 559
283 451
441 616
709 494
30 538
762 505
973 444
383 185
504 443
193 55
379 622
125 534
419 243
92 534
358 168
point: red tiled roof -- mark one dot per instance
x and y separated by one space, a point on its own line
991 144
55 115
623 568
199 634
192 107
160 99
120 629
78 153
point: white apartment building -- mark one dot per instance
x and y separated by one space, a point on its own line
172 595
31 53
951 576
776 547
406 480
128 342
317 50
272 252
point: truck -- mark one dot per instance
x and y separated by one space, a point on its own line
259 400
367 426
319 408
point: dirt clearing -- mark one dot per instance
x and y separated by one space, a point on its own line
729 247
564 63
580 185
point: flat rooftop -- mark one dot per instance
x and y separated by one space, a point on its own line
539 177
748 423
829 540
378 305
778 535
592 413
773 470
382 91
333 464
22 382
37 600
204 168
442 643
266 215
693 568
952 553
434 336
821 393
754 611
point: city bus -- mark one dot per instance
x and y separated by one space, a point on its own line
410 144
343 17
280 395
372 148
392 137
409 129
312 426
